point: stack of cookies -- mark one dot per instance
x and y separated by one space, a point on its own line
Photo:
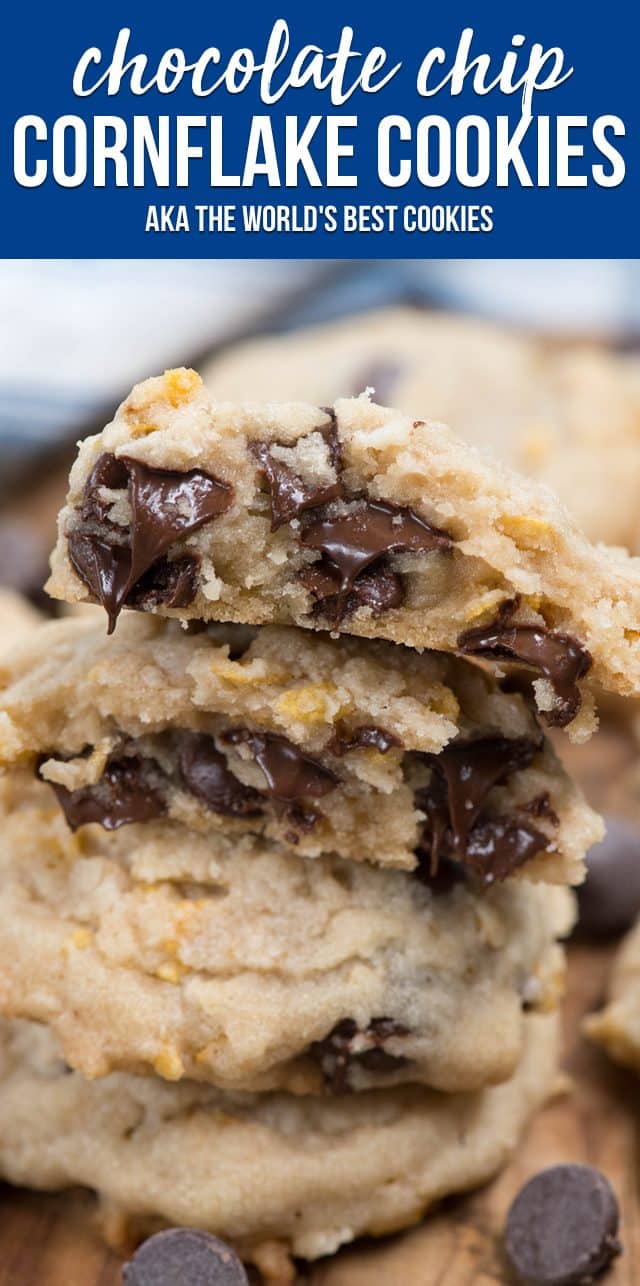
285 852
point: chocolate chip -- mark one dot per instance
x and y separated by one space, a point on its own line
124 794
184 1257
497 846
562 1227
382 375
204 771
347 1045
379 588
166 584
557 656
354 541
104 568
291 776
609 899
366 737
111 474
165 506
290 495
463 774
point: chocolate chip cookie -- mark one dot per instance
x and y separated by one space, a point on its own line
352 519
345 746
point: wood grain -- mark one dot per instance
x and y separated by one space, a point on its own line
53 1241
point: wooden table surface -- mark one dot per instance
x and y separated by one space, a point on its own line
53 1240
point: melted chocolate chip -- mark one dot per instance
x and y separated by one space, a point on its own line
351 543
379 588
562 1227
104 568
498 846
166 584
165 506
463 774
110 473
291 776
290 495
184 1257
123 794
346 1046
205 774
555 655
367 737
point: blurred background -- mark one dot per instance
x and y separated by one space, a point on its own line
75 336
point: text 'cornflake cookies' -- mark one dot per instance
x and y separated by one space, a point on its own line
307 1174
326 746
232 961
356 519
567 414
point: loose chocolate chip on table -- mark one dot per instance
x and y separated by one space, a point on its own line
562 1227
204 771
165 505
609 899
184 1257
557 656
347 1045
124 794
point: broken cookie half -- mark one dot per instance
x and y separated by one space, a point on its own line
355 520
347 746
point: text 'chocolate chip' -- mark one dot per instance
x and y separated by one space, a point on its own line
184 1257
562 1227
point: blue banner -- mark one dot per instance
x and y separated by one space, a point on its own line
342 130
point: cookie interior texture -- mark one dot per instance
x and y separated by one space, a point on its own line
345 745
308 1174
357 520
161 951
